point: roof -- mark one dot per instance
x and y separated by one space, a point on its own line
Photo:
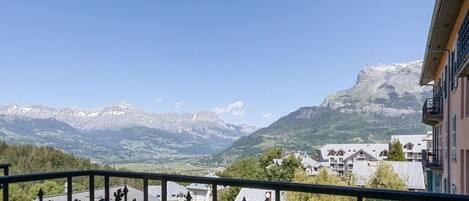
410 172
251 194
173 189
349 149
197 186
444 16
414 139
99 194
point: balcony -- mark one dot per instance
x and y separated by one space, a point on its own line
277 187
462 63
432 159
432 111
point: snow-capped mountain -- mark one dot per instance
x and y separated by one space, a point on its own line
119 134
391 90
201 124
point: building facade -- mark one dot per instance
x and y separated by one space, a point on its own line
412 145
446 68
342 157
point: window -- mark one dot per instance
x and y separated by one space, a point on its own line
453 137
445 82
461 114
467 95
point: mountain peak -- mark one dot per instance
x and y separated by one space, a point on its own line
377 85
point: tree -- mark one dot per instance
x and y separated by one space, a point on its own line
324 178
395 152
48 187
386 178
284 172
243 169
267 158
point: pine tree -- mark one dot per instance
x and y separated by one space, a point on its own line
395 152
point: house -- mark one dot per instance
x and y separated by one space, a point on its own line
132 194
342 157
202 192
310 165
446 69
410 172
412 145
251 194
176 192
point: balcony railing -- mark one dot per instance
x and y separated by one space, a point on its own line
432 111
462 63
432 159
277 187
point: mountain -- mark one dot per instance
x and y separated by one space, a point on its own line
385 100
119 133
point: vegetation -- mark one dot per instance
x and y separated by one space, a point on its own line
386 178
31 159
395 152
323 177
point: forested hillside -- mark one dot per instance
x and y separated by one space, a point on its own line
32 159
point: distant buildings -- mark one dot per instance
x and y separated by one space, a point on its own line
176 192
342 157
132 194
409 172
201 192
412 145
446 69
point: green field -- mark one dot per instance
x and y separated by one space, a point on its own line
171 168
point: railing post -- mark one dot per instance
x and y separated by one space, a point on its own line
277 195
214 192
106 188
69 188
5 191
360 198
145 189
5 185
40 194
164 190
91 187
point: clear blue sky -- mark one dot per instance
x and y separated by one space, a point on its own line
273 56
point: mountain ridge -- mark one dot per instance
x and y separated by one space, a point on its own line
385 100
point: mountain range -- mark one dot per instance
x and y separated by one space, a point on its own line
120 133
385 100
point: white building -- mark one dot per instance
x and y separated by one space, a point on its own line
310 165
176 192
251 194
342 157
410 172
412 145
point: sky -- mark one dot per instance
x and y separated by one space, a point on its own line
251 61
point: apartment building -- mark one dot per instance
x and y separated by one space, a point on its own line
412 145
341 157
446 68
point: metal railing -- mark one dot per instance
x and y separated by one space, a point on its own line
432 110
359 193
432 159
463 45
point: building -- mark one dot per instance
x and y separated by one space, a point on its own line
410 172
412 145
132 194
175 191
310 165
202 192
342 157
251 194
446 69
